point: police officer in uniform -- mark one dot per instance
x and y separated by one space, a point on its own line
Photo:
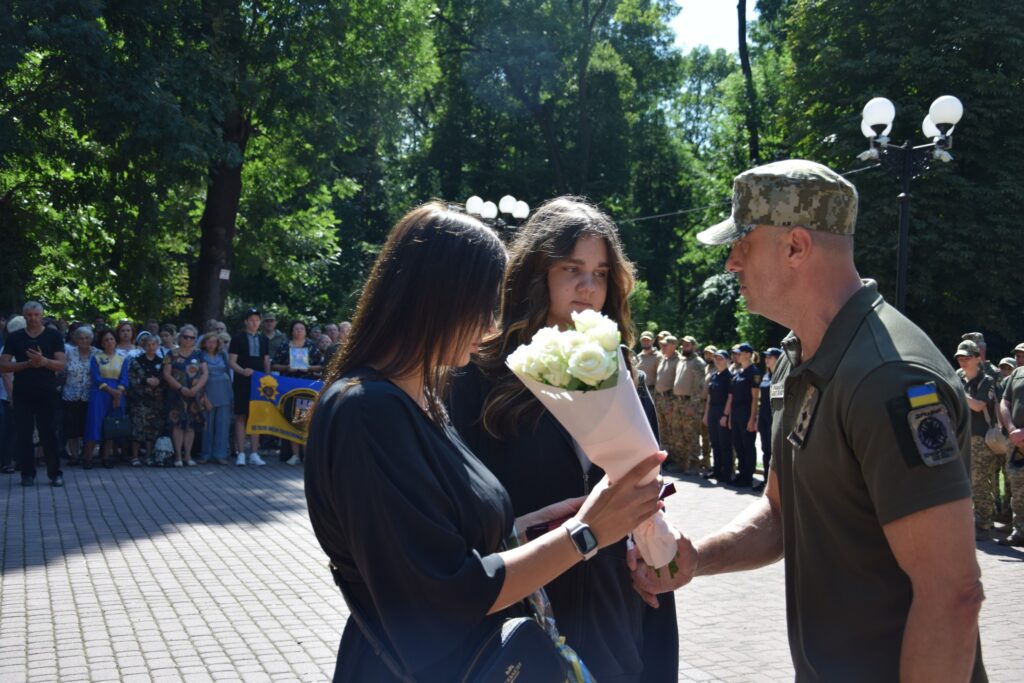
688 391
716 418
868 501
647 359
745 392
985 465
764 412
665 377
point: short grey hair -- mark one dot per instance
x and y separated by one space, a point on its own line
84 329
186 328
32 306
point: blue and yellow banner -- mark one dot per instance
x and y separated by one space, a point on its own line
277 404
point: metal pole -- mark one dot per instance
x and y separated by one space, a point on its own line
906 173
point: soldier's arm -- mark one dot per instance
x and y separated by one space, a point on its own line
936 549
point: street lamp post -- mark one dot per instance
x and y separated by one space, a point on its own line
507 206
907 162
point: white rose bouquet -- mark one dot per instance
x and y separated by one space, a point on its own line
580 376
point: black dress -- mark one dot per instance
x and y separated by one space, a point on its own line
602 617
413 521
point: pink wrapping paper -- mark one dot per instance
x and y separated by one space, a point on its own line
612 429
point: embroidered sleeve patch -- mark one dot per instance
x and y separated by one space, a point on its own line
930 426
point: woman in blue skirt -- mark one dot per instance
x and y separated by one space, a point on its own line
106 398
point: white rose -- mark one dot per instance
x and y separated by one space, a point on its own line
586 319
556 373
569 340
547 341
607 335
591 364
525 361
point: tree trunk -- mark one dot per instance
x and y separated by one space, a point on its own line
752 122
217 228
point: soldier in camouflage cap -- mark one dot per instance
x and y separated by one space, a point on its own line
787 193
869 428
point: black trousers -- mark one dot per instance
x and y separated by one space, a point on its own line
36 410
721 443
745 444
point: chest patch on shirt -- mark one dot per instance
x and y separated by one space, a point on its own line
930 426
798 437
777 391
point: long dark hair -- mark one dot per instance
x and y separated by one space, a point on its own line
547 238
435 284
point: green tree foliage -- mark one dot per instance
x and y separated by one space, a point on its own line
125 124
963 253
146 146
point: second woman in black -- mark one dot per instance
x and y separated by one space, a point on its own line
566 258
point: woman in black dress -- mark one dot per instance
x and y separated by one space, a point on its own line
412 521
565 259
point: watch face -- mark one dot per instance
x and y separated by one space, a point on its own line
584 539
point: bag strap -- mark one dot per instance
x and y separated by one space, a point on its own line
379 648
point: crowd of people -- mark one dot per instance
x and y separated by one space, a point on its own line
142 394
713 403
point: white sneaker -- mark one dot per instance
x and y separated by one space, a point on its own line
255 459
294 460
240 459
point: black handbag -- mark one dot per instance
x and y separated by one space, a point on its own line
518 649
117 428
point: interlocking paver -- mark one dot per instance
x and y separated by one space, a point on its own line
213 573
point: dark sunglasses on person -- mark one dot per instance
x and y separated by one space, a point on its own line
188 336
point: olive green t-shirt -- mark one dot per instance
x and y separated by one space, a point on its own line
1013 393
860 467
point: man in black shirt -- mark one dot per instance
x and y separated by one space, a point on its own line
35 355
249 352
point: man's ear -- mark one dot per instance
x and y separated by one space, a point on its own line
798 243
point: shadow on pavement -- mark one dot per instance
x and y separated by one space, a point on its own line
96 508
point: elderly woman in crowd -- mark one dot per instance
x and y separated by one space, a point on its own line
217 404
77 385
109 372
301 358
185 374
147 396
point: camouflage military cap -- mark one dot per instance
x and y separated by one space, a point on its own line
976 337
670 339
690 339
1018 347
663 334
967 348
787 193
1008 362
647 335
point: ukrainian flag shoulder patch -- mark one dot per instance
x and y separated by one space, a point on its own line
923 395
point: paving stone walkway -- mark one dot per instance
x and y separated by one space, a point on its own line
213 573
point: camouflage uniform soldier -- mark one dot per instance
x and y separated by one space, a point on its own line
647 359
665 377
985 465
1011 412
689 390
1002 506
986 365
